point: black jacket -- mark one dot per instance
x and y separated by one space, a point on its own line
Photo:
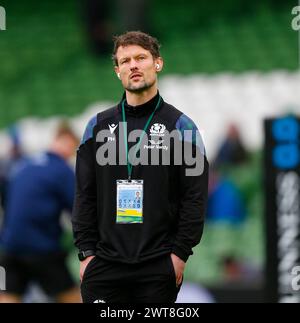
174 203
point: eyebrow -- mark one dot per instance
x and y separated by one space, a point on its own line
137 55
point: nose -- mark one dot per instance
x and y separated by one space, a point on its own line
133 65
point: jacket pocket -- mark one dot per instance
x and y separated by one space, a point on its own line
172 269
88 267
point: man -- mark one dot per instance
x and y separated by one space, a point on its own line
136 252
14 155
39 189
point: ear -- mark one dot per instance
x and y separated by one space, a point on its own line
159 63
117 70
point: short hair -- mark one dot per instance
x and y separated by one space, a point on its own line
136 38
64 129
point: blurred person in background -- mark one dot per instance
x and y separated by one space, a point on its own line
103 18
239 270
139 257
39 189
14 155
226 203
232 150
97 15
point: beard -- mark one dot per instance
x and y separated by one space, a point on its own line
140 87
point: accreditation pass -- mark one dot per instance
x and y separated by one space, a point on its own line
130 201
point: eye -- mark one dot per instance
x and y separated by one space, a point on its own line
124 61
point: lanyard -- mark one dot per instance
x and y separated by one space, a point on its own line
129 166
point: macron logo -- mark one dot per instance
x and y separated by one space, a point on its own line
112 127
99 301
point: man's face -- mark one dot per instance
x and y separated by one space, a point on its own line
68 145
137 68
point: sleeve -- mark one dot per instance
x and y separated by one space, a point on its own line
193 191
67 187
84 217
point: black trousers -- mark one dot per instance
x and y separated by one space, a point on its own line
149 282
50 271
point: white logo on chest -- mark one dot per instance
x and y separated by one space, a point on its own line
112 127
157 129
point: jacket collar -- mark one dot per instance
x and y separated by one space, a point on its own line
139 110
